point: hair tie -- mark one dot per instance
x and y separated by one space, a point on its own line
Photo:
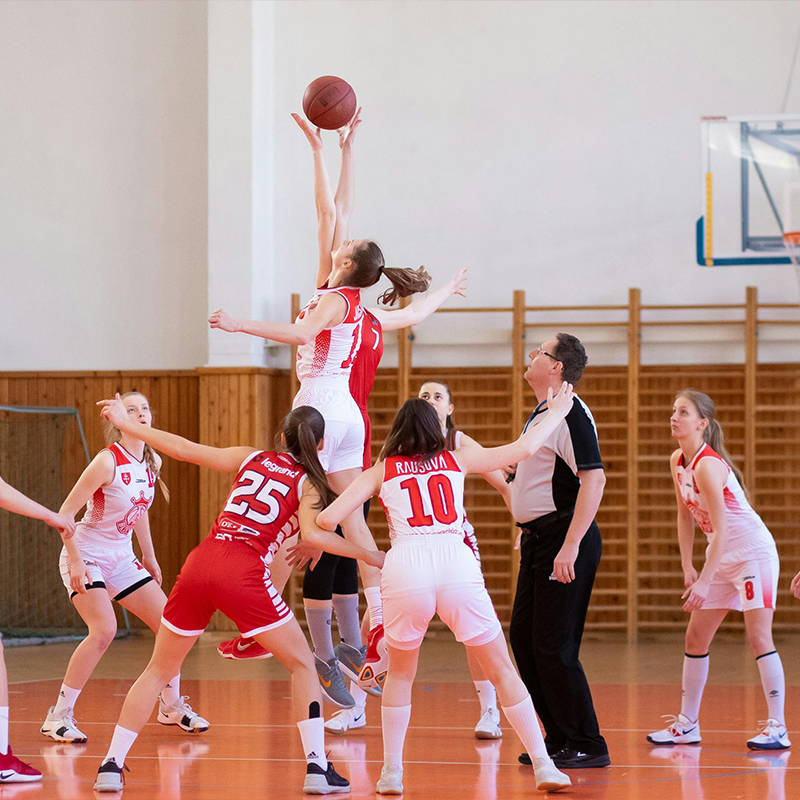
381 268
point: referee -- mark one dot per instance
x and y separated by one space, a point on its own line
555 495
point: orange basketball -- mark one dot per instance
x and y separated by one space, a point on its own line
329 102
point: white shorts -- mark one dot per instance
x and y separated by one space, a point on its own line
745 585
427 575
344 425
115 569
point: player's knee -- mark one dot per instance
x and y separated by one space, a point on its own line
696 641
101 636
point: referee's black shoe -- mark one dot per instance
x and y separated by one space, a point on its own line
572 759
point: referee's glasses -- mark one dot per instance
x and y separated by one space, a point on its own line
549 355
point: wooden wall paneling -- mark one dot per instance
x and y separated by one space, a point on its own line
634 363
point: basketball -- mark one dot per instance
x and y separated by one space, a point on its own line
329 102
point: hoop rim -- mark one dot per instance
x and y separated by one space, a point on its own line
792 238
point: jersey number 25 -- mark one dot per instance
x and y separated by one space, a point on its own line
254 488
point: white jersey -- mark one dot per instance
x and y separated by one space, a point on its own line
113 510
747 533
332 352
423 498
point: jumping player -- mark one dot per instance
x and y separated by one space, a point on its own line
327 332
230 571
12 770
438 394
430 570
98 565
740 571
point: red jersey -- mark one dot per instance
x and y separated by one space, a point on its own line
362 375
261 509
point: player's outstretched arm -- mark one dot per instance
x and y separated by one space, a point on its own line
366 485
330 311
420 310
323 199
13 500
475 458
223 459
326 540
345 197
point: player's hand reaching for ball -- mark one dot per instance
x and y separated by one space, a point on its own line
560 404
224 321
458 283
348 133
312 134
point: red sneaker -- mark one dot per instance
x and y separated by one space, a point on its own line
12 770
373 673
242 648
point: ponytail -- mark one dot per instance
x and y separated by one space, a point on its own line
111 435
302 431
713 435
368 266
405 282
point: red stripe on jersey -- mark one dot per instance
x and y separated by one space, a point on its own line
322 345
98 506
120 459
399 466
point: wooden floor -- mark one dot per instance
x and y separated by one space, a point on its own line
252 750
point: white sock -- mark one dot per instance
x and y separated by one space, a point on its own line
486 694
121 743
774 683
312 734
372 594
394 721
523 720
171 693
3 730
695 675
358 694
67 698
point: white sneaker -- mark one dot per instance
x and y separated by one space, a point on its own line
182 715
773 737
549 777
110 777
391 781
679 730
488 726
62 727
348 719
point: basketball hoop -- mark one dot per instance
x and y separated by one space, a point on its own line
791 241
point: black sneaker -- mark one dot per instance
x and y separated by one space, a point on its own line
525 759
110 777
575 759
320 781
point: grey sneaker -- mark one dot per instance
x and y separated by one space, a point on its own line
331 682
351 660
109 777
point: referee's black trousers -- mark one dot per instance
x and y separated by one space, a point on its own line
546 630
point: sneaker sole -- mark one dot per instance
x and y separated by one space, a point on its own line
673 742
552 786
56 738
232 657
17 778
322 787
488 735
107 789
341 731
774 746
333 701
392 790
182 727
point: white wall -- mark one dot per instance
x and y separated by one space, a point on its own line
549 146
103 176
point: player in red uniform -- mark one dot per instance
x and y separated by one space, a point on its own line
438 394
12 770
98 565
327 333
430 570
229 571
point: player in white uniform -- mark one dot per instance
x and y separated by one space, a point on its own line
429 570
12 770
327 333
438 394
740 572
98 565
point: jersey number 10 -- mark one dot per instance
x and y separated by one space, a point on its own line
443 503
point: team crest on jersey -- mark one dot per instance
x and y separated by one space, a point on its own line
126 478
139 506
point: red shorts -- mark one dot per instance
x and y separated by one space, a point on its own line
229 577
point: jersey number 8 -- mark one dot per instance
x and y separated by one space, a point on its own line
251 487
